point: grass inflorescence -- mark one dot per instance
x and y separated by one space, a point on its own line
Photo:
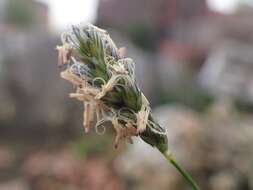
105 83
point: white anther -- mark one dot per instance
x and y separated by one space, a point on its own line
67 75
142 115
64 53
119 68
108 86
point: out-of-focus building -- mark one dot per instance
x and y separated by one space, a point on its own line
228 71
184 30
148 12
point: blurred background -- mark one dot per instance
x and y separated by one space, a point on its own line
194 61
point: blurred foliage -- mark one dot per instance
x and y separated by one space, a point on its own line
243 106
19 13
94 145
199 100
193 97
243 6
142 36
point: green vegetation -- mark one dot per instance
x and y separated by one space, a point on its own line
19 13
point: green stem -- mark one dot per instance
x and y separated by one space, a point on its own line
182 171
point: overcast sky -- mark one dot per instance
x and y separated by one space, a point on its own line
64 13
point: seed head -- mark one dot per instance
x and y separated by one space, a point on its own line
105 82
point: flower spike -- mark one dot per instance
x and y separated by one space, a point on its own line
105 82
